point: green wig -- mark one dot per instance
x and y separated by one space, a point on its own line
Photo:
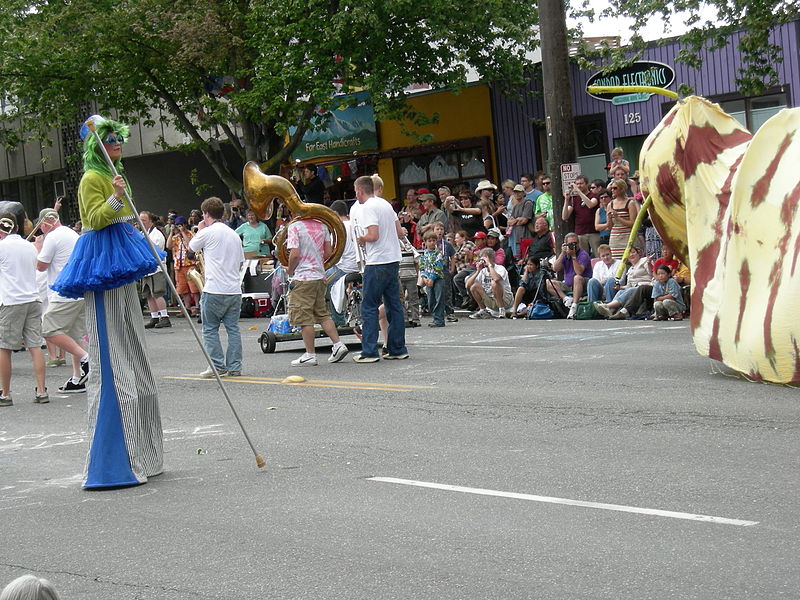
93 159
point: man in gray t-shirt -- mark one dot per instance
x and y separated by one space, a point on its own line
521 215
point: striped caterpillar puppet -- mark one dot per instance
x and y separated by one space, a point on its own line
727 202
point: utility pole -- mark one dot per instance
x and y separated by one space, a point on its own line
559 118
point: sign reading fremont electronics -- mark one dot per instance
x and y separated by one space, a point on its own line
643 72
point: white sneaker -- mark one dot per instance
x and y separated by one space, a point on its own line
500 313
522 306
481 314
572 310
307 360
339 351
567 300
209 374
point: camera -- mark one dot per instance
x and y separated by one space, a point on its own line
572 246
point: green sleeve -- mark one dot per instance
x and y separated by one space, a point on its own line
93 194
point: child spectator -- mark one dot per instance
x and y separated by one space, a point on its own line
448 251
667 296
432 265
409 274
667 258
618 161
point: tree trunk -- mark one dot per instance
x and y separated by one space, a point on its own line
561 147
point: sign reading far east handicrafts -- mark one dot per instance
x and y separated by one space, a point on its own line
639 73
350 128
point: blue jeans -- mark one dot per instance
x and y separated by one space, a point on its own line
436 300
595 290
623 295
382 284
216 309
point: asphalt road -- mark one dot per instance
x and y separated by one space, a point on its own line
589 460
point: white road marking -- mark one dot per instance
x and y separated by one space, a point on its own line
446 345
551 500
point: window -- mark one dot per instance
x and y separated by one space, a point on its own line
445 164
754 112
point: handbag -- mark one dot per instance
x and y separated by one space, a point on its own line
586 311
540 310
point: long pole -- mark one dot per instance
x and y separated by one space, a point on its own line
259 459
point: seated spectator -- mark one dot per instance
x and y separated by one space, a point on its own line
462 266
602 284
637 276
490 287
667 296
543 242
667 258
575 264
256 236
530 288
29 587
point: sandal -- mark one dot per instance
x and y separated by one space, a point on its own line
678 318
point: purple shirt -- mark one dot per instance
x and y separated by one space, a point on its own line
569 269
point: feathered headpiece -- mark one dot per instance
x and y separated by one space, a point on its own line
93 159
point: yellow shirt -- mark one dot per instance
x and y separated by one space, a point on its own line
96 211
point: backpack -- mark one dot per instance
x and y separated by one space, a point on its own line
586 311
540 310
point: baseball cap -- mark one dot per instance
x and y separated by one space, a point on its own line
423 191
519 188
495 232
480 235
180 220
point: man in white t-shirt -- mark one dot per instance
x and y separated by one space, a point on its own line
309 244
379 230
21 310
221 301
490 287
63 324
154 286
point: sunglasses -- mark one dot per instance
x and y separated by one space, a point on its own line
112 139
545 183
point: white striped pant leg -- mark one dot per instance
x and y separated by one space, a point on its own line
132 378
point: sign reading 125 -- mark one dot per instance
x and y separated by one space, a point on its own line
631 118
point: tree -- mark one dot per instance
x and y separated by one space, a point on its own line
264 65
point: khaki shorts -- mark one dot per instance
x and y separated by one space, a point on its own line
21 326
154 285
65 317
307 303
491 302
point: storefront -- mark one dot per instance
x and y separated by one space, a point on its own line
602 124
457 148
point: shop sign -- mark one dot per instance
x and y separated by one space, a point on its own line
349 129
639 73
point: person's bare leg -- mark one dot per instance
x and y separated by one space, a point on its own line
383 323
497 290
577 288
307 331
5 370
475 290
329 327
38 368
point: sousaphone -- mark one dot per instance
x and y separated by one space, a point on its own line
260 191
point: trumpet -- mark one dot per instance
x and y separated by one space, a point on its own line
360 251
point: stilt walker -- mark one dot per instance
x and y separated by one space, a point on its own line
125 435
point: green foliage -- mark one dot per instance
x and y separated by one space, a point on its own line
754 18
280 60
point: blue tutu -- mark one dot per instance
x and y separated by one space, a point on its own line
105 259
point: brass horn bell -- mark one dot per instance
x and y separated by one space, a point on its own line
260 191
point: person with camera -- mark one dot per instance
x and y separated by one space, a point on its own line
531 288
583 203
576 265
490 287
469 217
237 214
178 241
432 215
